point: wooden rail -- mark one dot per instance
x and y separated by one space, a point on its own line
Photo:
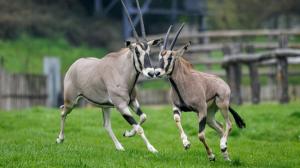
231 34
21 90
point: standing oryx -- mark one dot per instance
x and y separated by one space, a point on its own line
196 91
109 82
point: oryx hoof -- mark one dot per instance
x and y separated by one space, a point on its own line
186 145
152 149
119 147
58 140
129 133
212 157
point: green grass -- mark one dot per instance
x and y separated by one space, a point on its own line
26 53
27 139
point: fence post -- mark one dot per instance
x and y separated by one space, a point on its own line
234 74
52 71
254 77
282 72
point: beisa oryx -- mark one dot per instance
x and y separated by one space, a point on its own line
198 92
109 82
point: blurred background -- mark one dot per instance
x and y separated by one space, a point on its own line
40 39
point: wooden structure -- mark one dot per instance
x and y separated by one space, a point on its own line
275 53
21 90
171 10
232 63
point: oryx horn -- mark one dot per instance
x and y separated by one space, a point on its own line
130 21
167 38
175 39
141 20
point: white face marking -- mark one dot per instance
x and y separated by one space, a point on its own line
148 71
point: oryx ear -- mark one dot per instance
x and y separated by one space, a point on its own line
155 42
181 51
129 44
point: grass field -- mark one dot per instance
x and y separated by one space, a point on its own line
27 139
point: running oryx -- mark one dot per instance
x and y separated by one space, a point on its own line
198 92
109 82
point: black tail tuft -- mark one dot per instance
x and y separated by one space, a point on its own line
238 120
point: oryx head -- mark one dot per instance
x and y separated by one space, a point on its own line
141 48
167 57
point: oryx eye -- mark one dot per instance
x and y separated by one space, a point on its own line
169 58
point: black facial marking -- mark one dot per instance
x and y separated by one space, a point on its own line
202 124
138 58
143 45
169 62
147 62
139 112
162 63
130 119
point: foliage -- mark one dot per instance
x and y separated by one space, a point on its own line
236 14
27 139
57 18
26 53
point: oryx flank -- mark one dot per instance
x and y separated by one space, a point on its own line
198 92
109 82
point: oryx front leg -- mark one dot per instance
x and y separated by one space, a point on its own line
136 127
177 118
135 106
107 126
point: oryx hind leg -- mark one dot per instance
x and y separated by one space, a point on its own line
107 126
202 118
66 109
135 106
69 102
212 122
223 105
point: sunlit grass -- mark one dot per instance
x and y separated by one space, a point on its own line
27 139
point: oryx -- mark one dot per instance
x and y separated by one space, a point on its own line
109 82
198 92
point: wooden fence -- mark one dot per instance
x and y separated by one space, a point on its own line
230 44
22 90
26 90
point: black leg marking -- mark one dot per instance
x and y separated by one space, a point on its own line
202 124
176 112
139 112
130 119
224 150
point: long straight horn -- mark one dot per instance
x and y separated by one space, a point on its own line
175 39
141 20
167 38
130 21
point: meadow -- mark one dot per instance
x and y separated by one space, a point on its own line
27 139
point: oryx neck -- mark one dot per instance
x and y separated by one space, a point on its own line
177 80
